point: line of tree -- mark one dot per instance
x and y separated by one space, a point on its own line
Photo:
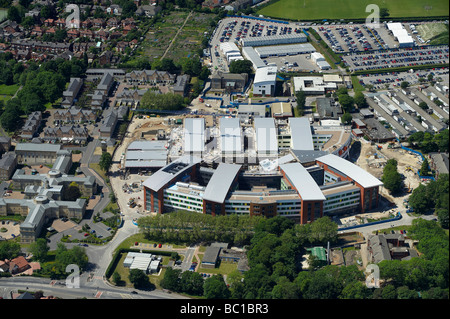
190 227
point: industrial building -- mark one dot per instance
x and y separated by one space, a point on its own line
274 40
283 50
313 85
142 154
400 34
230 51
250 54
264 82
320 61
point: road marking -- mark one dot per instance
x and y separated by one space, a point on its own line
98 294
125 296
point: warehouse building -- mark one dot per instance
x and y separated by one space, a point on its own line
142 154
400 34
230 51
274 40
283 50
250 54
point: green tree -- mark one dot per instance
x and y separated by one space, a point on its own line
116 278
138 278
192 283
105 161
39 249
346 118
241 66
215 288
384 12
9 249
425 168
360 100
423 105
419 200
171 280
404 84
346 102
391 178
72 192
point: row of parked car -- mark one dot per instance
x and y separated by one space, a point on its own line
398 58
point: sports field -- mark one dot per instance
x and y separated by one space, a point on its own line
352 9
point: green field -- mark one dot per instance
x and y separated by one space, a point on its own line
348 9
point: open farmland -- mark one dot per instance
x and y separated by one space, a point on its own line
348 9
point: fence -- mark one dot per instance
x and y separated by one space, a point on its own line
421 155
397 217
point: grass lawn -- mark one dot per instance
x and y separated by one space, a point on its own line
348 9
8 89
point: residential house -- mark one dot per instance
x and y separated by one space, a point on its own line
37 31
37 153
114 9
70 94
109 123
102 34
150 77
148 10
389 247
106 57
5 144
439 163
32 124
8 164
181 85
49 22
74 116
112 22
98 100
73 33
229 82
131 97
60 23
87 34
98 23
106 83
86 24
69 133
18 265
